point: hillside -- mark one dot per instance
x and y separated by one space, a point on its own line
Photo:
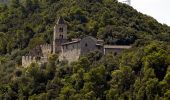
31 22
142 73
3 1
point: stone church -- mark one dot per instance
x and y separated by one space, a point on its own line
68 50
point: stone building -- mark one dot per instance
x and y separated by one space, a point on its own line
69 50
114 49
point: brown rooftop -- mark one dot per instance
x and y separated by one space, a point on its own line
117 47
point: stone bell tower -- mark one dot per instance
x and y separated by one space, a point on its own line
60 35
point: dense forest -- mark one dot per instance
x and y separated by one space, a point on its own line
141 73
3 1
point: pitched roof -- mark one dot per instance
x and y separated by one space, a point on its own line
117 47
60 20
72 42
78 40
90 37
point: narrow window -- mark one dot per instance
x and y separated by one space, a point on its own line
86 45
115 54
61 29
61 36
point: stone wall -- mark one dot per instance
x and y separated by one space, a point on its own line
57 45
46 49
113 51
27 60
88 44
70 52
59 37
60 29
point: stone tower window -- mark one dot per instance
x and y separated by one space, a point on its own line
61 36
86 45
60 29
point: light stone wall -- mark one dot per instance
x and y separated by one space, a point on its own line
43 60
27 60
70 52
57 45
46 49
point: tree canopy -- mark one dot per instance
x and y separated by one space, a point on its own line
141 73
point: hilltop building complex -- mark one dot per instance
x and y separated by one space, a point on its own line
68 50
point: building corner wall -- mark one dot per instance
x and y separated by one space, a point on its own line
70 53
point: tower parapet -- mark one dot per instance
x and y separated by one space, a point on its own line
27 60
46 49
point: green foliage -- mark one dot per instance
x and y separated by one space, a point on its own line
143 73
28 23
